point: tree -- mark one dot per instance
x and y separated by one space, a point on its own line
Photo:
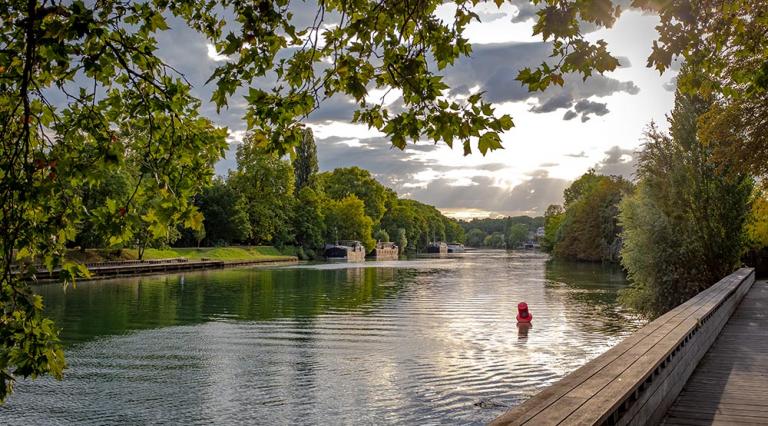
553 218
265 181
346 220
684 226
757 225
90 231
381 235
401 216
476 237
589 229
453 231
495 240
226 219
305 162
516 235
343 182
309 220
402 240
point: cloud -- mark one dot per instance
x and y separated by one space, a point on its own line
619 162
570 115
585 107
525 10
494 67
561 100
531 197
671 85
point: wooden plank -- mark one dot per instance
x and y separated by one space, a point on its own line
731 385
594 410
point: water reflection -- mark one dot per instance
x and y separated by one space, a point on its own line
522 330
427 341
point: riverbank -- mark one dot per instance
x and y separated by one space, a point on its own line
103 263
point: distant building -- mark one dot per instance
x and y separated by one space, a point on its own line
540 232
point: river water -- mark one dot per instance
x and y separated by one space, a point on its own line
426 341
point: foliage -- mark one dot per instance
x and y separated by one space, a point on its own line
309 220
345 219
684 226
134 115
305 161
266 183
553 218
226 218
589 229
495 240
516 235
454 232
476 237
381 235
343 182
491 225
402 240
421 223
757 224
90 230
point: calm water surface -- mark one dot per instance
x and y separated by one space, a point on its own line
419 341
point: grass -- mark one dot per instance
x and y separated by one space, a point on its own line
229 254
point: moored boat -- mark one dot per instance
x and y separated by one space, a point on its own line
384 251
437 247
345 251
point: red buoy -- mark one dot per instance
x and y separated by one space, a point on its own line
523 316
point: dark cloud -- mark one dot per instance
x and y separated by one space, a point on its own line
671 85
585 107
549 164
581 154
337 108
570 115
624 62
494 67
561 100
618 162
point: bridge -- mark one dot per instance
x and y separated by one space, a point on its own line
704 362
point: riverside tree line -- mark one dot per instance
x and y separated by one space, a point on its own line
270 199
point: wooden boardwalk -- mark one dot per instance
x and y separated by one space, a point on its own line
730 385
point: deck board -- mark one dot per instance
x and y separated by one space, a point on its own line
730 385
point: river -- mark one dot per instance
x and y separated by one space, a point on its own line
427 341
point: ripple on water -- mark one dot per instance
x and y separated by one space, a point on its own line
428 341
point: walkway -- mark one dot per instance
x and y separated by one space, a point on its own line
730 385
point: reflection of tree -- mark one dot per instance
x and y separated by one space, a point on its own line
591 290
117 306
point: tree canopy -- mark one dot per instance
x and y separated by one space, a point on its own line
683 228
587 227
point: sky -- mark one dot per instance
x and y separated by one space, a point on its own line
558 135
